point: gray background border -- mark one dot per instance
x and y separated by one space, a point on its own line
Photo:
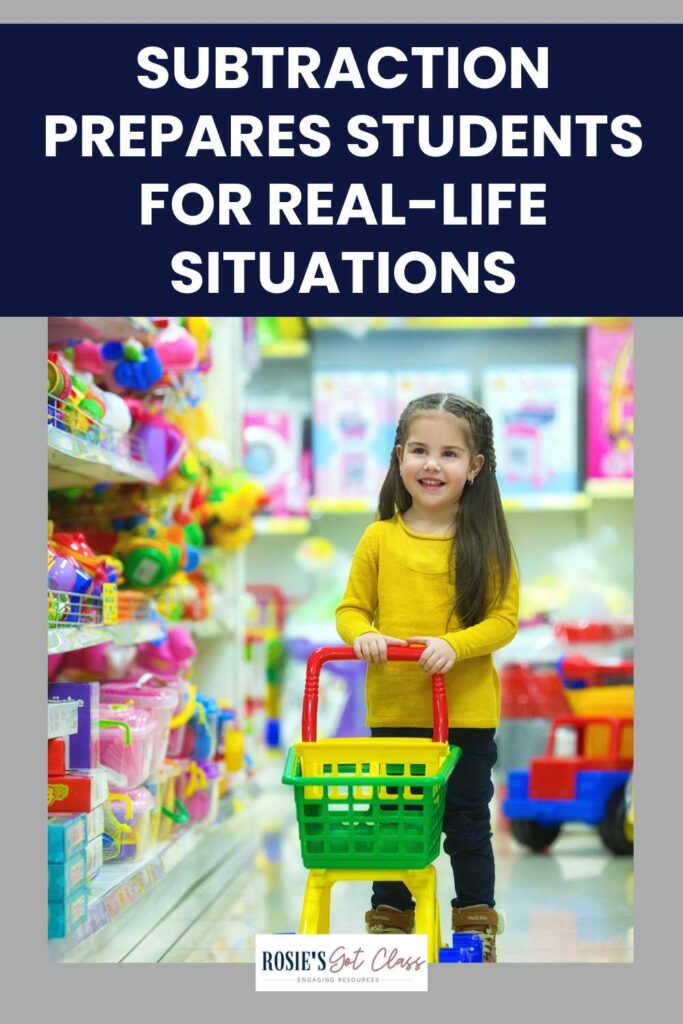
186 992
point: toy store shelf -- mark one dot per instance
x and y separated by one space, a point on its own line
282 524
525 503
75 462
128 898
548 502
207 628
98 328
340 506
61 639
360 325
610 488
295 349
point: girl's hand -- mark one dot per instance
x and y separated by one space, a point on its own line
372 647
438 655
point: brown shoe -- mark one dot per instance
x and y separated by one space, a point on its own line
390 921
484 922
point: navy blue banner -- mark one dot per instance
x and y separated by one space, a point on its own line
342 170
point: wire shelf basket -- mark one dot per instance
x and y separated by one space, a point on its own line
67 608
73 419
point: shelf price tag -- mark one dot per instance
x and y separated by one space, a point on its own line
110 607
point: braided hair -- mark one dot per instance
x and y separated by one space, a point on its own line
482 554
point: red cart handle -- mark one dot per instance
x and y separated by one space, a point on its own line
309 718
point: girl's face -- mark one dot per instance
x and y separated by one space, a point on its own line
436 460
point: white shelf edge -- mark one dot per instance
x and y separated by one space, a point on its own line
61 639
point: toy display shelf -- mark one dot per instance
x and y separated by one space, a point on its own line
360 325
525 503
296 348
138 622
282 524
208 628
129 898
99 454
610 488
61 639
98 328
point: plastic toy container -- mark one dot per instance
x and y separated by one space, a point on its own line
134 809
126 745
199 791
205 726
181 737
369 802
158 700
168 812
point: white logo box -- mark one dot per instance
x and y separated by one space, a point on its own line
341 963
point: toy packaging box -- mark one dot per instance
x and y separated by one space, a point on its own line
609 402
66 915
94 854
534 413
409 385
62 718
275 457
65 877
84 746
77 791
66 834
353 431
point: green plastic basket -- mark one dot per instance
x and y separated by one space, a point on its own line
365 803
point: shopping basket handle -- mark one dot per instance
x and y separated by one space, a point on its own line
309 718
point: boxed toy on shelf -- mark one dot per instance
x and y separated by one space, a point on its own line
534 413
353 431
609 401
277 459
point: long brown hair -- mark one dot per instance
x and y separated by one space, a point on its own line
482 551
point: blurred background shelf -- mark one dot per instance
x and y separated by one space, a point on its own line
610 488
283 525
294 349
76 462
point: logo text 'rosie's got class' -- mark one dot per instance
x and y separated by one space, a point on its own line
284 962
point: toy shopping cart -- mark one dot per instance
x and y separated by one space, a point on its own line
370 808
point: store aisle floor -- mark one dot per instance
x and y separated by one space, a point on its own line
573 905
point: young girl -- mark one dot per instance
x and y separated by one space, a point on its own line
438 569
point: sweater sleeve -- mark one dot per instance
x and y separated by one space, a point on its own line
495 631
356 613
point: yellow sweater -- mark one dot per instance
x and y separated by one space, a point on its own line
400 585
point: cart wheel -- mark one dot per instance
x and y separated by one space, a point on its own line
530 833
611 828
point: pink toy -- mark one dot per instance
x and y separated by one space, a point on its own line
87 358
275 459
609 400
177 349
170 658
158 699
96 663
126 744
199 790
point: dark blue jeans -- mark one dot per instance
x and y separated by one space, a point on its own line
466 822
